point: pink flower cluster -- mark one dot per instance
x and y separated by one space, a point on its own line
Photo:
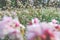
44 30
10 26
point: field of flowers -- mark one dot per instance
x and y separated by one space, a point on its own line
30 23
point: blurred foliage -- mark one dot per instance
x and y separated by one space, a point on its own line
13 3
26 14
43 14
16 3
2 3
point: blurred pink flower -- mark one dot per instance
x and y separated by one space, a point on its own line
17 23
6 26
30 23
34 29
54 21
35 20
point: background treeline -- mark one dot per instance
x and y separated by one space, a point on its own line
16 3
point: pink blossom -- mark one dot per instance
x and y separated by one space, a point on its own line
17 23
30 23
33 29
54 21
35 20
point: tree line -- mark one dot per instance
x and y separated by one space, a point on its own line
15 3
